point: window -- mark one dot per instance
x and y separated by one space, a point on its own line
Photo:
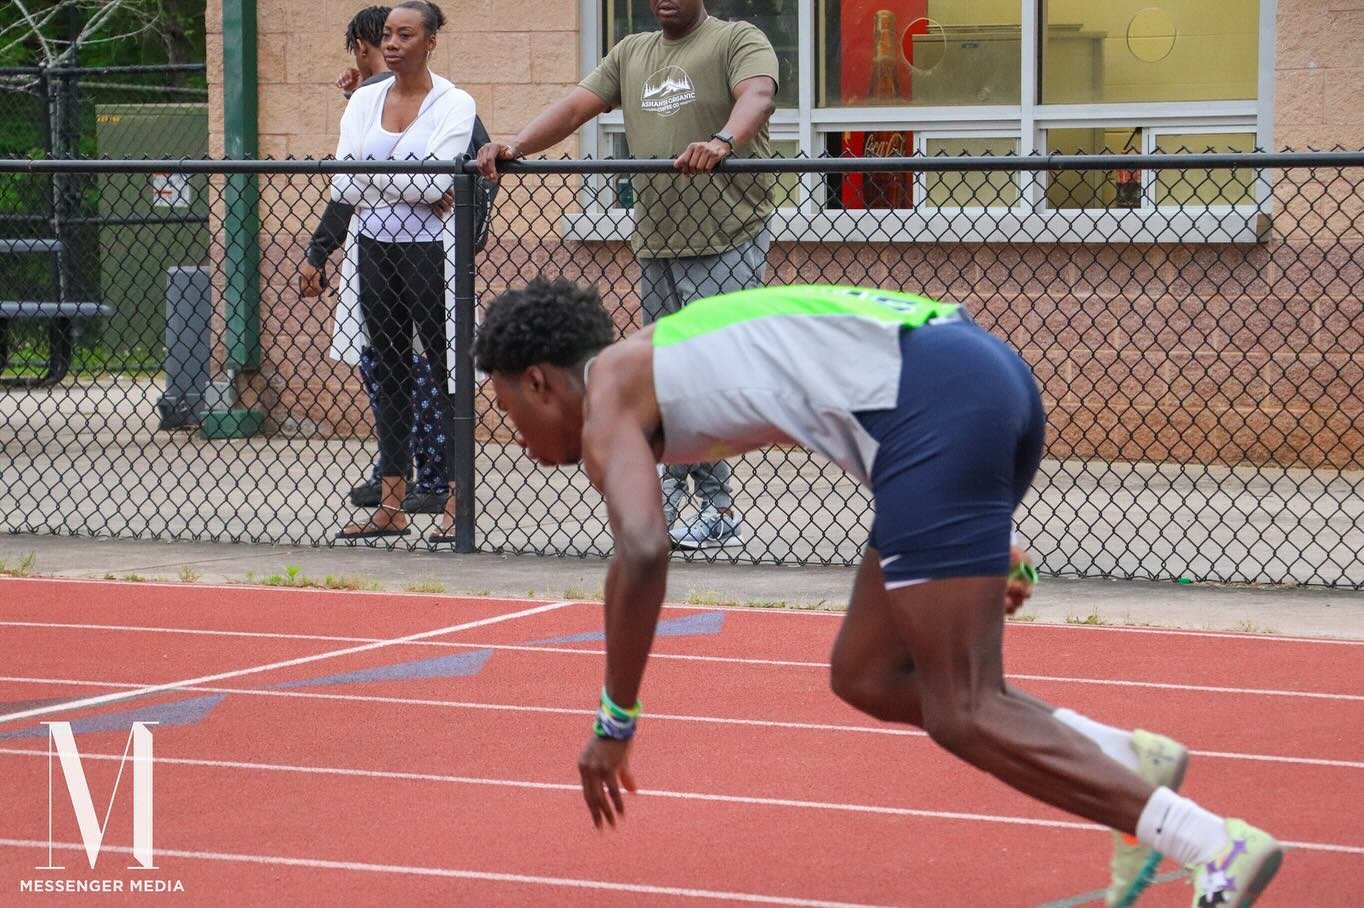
969 189
884 52
1149 50
890 77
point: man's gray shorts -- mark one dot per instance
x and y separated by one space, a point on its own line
665 286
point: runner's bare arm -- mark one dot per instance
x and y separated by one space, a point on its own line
620 462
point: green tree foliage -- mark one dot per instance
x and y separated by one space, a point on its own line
101 32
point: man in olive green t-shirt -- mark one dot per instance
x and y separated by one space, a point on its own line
697 91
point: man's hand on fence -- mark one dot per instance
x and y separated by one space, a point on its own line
701 157
490 154
349 80
309 279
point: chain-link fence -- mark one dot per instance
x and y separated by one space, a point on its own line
1193 321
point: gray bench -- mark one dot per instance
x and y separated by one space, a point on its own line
60 334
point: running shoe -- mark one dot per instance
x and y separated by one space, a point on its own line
1163 762
1240 872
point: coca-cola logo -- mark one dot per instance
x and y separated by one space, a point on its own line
885 145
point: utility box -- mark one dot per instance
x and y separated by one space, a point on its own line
151 222
189 312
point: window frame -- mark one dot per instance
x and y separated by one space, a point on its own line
1030 219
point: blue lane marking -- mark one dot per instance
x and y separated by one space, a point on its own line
686 626
194 710
180 712
451 666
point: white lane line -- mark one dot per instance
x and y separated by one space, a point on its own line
1180 632
287 663
889 731
238 588
1202 688
827 806
417 640
485 876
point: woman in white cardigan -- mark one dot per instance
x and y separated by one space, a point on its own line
398 274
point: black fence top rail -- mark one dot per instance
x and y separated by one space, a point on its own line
1256 160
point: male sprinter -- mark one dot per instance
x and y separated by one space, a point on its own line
944 423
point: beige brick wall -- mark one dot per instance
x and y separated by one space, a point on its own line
1320 74
1188 353
511 55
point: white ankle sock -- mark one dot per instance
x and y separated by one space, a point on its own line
1180 829
1113 741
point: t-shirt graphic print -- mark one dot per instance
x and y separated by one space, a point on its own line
667 91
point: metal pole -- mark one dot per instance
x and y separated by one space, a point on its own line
67 145
49 101
461 450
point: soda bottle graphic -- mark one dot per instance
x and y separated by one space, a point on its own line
885 190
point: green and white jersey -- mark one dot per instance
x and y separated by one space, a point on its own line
783 364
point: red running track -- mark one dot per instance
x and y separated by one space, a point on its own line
331 747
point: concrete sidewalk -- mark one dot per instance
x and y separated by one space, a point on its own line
1289 611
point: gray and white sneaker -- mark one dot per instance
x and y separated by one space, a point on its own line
712 530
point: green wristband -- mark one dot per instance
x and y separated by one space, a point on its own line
1024 571
611 709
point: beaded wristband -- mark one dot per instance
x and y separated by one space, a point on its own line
613 722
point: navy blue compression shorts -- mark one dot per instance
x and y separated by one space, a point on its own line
955 455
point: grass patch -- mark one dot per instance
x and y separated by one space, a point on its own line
1025 617
348 583
707 598
189 574
425 586
134 578
773 603
1246 626
577 593
293 577
21 568
1093 618
721 601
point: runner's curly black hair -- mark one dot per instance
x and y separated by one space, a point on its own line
547 321
367 26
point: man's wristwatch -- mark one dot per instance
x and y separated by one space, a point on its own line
726 138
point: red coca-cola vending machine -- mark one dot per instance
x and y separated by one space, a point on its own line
876 47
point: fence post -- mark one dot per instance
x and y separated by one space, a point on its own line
66 144
465 420
54 181
241 222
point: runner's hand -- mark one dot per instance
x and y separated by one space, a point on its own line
1019 588
605 770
